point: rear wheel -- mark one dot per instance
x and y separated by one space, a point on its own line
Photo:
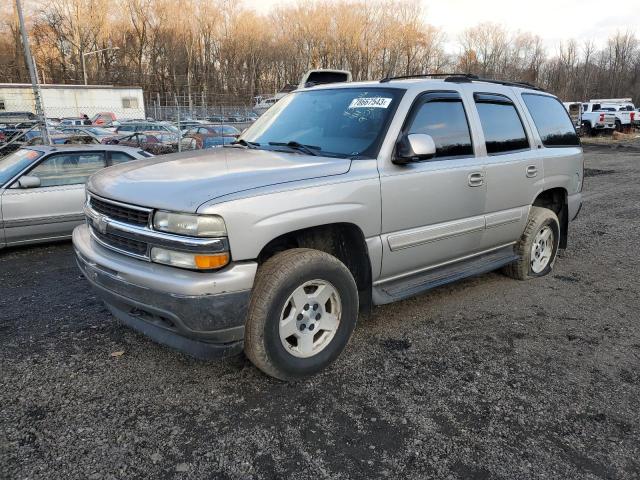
586 129
303 309
538 246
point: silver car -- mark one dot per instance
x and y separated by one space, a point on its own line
338 198
42 189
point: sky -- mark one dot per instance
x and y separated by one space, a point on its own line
552 20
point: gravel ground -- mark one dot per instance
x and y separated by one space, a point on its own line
487 378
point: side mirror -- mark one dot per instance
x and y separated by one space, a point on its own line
414 147
28 181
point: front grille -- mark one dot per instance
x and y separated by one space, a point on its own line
126 244
119 212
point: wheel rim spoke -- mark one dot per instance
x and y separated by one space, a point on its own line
305 344
322 294
541 249
329 322
288 326
299 299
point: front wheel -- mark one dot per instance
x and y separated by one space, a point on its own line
303 310
537 247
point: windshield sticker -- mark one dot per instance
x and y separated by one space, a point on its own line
370 102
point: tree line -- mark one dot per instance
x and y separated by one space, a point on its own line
205 48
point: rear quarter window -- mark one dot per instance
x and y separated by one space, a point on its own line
551 120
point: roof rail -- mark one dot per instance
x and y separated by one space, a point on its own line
423 75
465 78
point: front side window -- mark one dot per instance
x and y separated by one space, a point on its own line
341 122
501 124
445 120
14 163
68 169
551 120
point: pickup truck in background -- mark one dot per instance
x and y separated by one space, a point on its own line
623 109
593 119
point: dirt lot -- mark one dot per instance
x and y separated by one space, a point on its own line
487 378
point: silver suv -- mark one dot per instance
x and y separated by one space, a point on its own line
338 198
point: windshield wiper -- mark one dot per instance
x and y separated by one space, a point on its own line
244 143
308 149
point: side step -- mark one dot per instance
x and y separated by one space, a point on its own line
402 288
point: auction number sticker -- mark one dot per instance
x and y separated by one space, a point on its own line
370 102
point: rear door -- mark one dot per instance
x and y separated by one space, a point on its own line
52 210
513 166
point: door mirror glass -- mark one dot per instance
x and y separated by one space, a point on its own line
28 181
414 147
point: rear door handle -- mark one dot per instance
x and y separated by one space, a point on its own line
532 171
476 179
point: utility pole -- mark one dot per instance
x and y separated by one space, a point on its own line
34 77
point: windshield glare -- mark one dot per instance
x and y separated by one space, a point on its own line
345 121
13 164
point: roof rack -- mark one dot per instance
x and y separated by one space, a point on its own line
465 78
424 75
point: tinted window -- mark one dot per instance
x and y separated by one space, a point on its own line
68 169
119 157
501 124
127 128
447 124
553 124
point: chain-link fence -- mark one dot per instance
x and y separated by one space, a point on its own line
67 106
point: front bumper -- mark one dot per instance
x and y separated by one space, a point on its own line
202 314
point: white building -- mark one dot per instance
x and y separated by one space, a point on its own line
74 100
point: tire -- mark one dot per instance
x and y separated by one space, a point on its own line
586 128
285 288
618 126
531 262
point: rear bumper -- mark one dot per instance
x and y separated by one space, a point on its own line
202 314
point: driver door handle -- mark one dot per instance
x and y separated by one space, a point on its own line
476 179
532 171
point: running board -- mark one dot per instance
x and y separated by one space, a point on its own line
402 288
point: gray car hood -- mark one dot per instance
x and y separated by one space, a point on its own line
183 182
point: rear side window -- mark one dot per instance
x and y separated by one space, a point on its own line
445 120
501 124
551 119
119 157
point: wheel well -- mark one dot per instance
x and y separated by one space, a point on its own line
345 241
556 199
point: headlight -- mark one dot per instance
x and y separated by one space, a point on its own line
194 261
190 225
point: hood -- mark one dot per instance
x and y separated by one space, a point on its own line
184 181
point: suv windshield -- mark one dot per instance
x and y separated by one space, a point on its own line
339 122
13 164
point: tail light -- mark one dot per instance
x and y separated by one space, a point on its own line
632 116
602 117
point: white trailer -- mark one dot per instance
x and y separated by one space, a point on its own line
74 100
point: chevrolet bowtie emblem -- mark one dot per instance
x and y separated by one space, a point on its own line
101 224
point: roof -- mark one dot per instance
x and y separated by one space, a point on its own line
52 86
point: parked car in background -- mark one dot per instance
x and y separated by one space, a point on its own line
593 119
10 118
209 136
104 119
42 189
157 143
59 138
74 122
130 127
97 132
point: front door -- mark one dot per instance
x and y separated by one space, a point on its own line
53 209
432 211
